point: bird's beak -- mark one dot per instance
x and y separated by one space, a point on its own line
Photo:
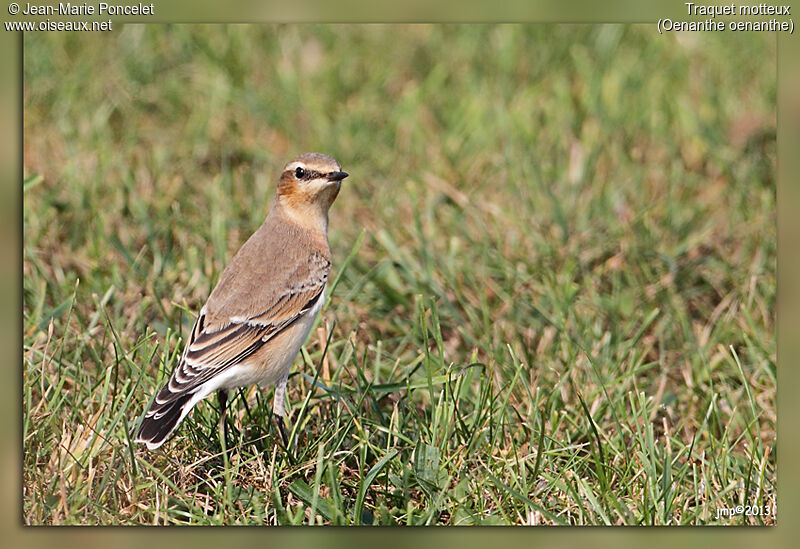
336 176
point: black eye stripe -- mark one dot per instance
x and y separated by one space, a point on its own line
307 175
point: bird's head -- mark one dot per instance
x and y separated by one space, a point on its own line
309 184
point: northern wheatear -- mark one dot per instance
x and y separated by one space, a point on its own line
259 314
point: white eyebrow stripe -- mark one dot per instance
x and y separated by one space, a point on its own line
321 170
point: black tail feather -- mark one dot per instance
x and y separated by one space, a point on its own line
154 431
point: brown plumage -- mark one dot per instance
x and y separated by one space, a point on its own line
261 310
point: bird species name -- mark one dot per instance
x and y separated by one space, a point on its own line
102 8
730 9
710 12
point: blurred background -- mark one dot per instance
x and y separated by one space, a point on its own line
568 232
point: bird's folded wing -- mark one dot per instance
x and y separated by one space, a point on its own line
211 351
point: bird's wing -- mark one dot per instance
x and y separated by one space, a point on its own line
212 350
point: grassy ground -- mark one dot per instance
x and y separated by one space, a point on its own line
554 261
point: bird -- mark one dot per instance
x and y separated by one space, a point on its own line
259 314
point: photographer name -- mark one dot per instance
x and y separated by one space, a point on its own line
102 8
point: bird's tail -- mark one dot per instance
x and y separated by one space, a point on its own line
165 414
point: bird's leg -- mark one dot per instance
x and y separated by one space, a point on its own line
222 395
282 429
278 411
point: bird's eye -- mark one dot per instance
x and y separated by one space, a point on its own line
299 173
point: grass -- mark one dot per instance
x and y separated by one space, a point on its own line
555 266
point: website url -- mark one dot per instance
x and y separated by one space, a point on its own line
48 25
